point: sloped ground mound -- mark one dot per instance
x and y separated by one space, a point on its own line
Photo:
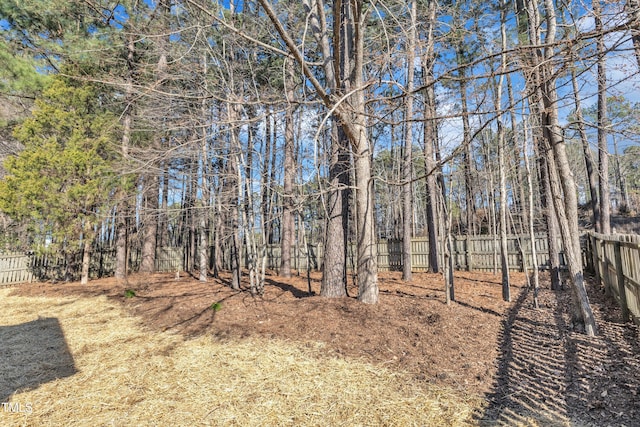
123 373
411 328
528 366
127 376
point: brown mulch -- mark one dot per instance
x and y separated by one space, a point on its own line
531 365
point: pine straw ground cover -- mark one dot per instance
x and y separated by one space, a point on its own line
87 355
85 361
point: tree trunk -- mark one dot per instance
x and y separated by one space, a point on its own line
334 271
567 220
553 234
493 222
367 245
121 243
218 238
467 158
530 29
150 224
532 235
592 176
163 214
567 207
407 161
205 191
442 209
235 210
468 165
624 197
203 217
334 267
633 13
448 252
123 209
348 49
603 151
504 264
193 216
151 180
367 268
86 260
433 195
289 176
519 175
265 187
248 221
203 245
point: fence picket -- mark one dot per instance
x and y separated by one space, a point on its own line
17 268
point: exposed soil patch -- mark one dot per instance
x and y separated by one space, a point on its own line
531 365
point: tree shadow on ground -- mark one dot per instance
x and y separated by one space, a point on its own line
530 382
296 292
548 374
32 354
480 309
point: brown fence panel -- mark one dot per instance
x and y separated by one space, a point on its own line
169 259
483 250
14 268
615 260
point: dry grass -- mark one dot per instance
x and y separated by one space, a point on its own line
116 373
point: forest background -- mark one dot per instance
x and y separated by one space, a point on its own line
224 127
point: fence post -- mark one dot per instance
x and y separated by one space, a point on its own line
622 289
522 254
606 271
596 262
587 253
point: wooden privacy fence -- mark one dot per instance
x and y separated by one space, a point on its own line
481 255
14 268
615 261
21 268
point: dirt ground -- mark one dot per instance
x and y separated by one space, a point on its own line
530 365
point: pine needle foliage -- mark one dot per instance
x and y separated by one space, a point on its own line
61 181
